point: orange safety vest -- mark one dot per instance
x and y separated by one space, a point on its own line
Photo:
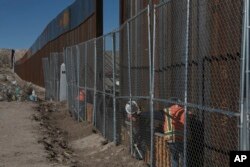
174 122
81 96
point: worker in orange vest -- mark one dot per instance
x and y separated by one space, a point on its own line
81 99
174 122
173 128
81 96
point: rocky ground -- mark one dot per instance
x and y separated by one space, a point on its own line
40 133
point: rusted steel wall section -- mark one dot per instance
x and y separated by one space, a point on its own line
70 31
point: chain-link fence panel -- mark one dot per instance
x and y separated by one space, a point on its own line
75 80
210 78
139 73
46 75
123 64
179 107
214 80
55 75
139 52
52 69
123 89
100 96
70 81
82 80
210 139
133 112
109 83
170 33
214 59
67 66
52 76
90 80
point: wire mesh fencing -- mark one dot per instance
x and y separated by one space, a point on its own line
47 81
166 84
51 71
197 72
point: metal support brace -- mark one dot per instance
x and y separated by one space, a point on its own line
85 80
78 82
114 87
244 87
129 85
103 86
186 82
95 79
151 83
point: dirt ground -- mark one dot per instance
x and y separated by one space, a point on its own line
86 147
18 137
42 134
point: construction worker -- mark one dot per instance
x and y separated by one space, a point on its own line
173 128
172 117
81 99
133 114
141 127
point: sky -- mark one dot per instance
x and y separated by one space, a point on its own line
22 21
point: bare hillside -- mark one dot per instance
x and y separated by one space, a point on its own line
5 56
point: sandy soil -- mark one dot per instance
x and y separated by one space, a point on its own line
18 137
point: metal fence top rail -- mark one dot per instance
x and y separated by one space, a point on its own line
204 108
162 4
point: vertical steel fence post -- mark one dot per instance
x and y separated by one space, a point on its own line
56 76
186 82
78 81
129 85
72 81
67 84
95 70
85 80
103 86
151 81
114 86
247 81
243 121
246 117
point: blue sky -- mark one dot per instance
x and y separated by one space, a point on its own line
22 21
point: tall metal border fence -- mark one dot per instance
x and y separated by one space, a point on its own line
79 22
185 56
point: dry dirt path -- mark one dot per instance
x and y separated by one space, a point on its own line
18 137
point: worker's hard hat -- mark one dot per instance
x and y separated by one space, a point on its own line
132 108
174 100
